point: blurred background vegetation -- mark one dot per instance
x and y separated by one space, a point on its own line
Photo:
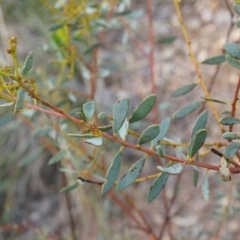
85 50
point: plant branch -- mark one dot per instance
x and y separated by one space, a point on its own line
195 62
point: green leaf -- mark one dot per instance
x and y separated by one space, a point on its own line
157 186
143 109
123 131
205 187
195 177
105 128
120 111
214 100
7 104
233 49
196 142
172 169
184 90
112 172
102 116
237 8
200 123
166 39
164 127
231 136
229 121
57 157
231 149
96 141
215 60
233 61
19 102
68 188
186 110
81 135
28 64
149 134
131 175
89 110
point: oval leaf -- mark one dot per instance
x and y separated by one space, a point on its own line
96 141
123 131
205 188
131 175
120 112
57 157
196 142
229 121
231 136
112 172
215 60
237 6
164 127
233 49
186 110
184 90
233 61
19 102
28 64
200 123
173 169
143 109
149 134
231 149
7 104
89 110
157 186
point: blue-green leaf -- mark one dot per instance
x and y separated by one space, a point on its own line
196 142
231 136
205 187
89 110
229 121
172 169
186 110
184 90
143 109
131 175
233 49
120 111
96 141
123 131
19 101
7 104
157 186
200 123
231 149
237 8
195 177
112 172
57 157
215 60
149 134
164 127
234 62
69 188
28 64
